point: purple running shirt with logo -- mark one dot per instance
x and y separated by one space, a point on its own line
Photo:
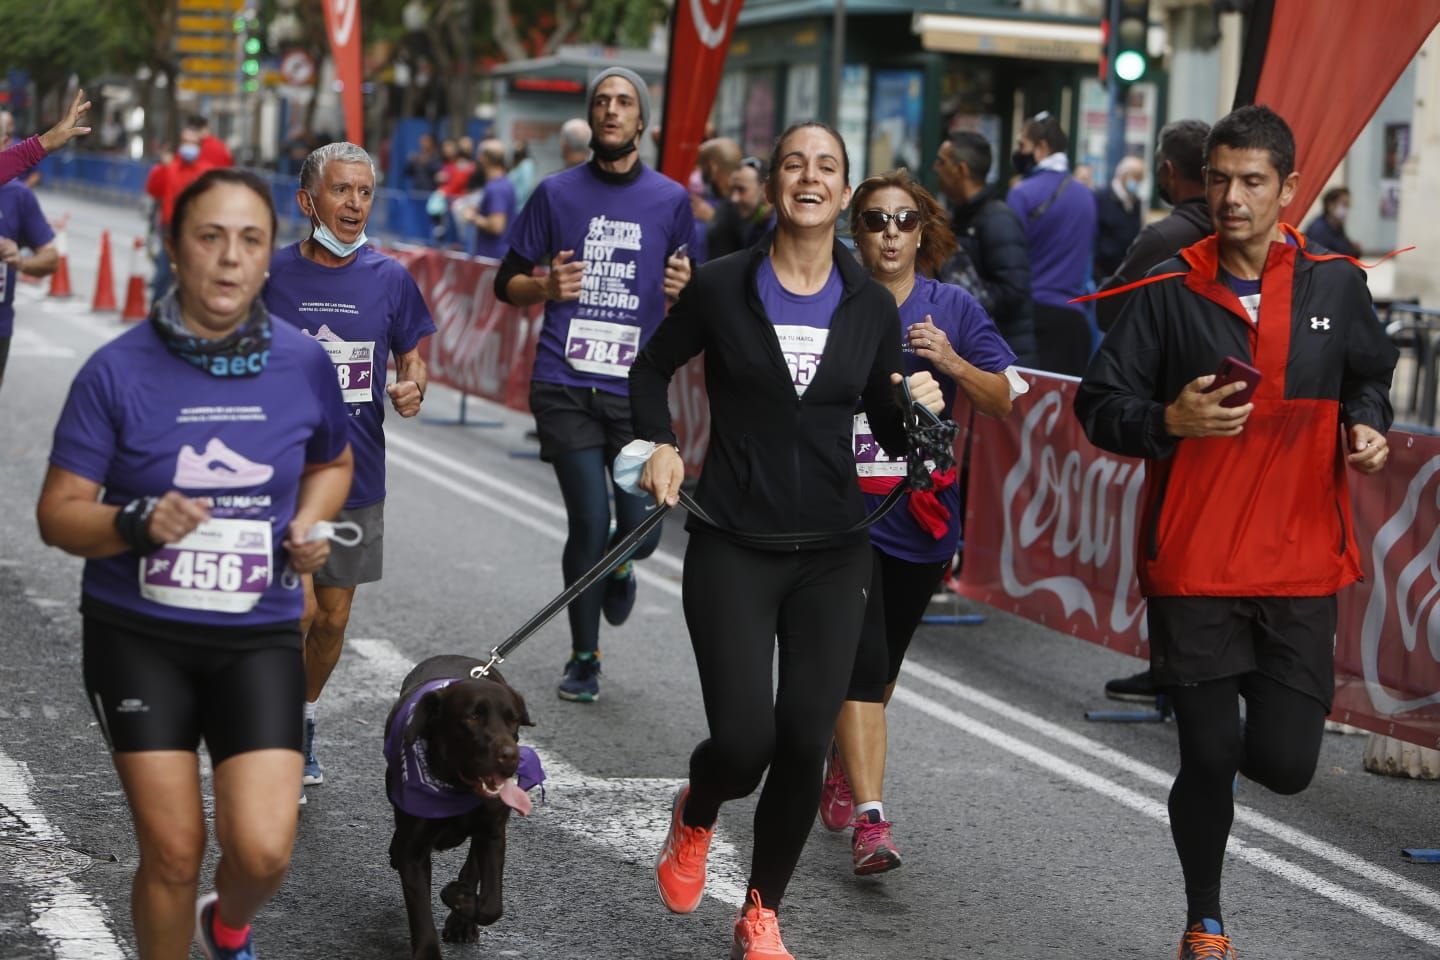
624 232
974 336
140 421
21 221
801 321
361 313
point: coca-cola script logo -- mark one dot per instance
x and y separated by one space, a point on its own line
343 14
1072 507
711 33
478 339
1405 558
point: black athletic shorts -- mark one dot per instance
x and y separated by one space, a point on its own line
152 692
578 418
1291 640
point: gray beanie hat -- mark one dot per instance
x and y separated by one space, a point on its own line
642 92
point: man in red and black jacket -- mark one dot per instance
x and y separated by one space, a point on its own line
1245 536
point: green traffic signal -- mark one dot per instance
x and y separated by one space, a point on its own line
252 46
251 67
239 24
1129 66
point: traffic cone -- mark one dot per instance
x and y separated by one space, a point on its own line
104 279
135 287
60 279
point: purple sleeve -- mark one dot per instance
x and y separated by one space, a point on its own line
20 158
35 231
974 335
85 435
498 198
682 228
333 431
530 233
414 318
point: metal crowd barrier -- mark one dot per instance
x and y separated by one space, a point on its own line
1416 331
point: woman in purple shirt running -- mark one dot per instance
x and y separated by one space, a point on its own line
902 235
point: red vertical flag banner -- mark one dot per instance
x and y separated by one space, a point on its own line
699 38
1325 66
342 22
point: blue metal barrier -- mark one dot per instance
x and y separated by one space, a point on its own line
397 214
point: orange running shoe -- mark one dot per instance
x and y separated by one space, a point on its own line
837 803
757 934
1205 940
680 867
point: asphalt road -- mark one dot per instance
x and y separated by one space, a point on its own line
1026 831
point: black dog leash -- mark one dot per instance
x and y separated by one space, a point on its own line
934 441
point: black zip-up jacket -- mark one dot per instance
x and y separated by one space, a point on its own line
777 463
1188 223
992 236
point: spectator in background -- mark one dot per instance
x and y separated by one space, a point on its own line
22 225
1058 214
993 263
1085 174
212 149
454 176
1117 215
492 213
165 182
574 142
748 216
1180 182
522 174
423 166
1328 229
717 162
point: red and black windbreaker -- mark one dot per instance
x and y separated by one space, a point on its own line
1266 513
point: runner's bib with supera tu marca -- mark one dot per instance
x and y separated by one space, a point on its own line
354 367
871 460
221 565
599 346
803 347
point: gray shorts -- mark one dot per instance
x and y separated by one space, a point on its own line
352 566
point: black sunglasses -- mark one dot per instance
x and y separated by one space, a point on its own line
877 220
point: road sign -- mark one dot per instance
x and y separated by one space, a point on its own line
223 6
212 85
200 43
297 68
201 65
199 23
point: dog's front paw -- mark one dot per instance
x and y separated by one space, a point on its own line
459 928
455 896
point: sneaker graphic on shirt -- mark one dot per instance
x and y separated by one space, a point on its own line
324 333
218 466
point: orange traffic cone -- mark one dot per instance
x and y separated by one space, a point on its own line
60 279
135 287
104 279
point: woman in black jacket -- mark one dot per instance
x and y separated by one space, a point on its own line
793 332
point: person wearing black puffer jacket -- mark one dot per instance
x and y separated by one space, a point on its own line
993 263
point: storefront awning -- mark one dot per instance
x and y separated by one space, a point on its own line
1022 39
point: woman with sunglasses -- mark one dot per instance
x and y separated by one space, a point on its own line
902 235
794 334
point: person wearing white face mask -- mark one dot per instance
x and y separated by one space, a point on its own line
363 307
1328 229
164 183
1117 215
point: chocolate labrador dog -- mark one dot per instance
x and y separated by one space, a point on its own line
451 751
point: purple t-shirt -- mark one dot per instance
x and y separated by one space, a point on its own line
21 221
498 197
361 313
141 421
974 336
624 232
801 321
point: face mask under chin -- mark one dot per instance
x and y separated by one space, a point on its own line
324 236
611 154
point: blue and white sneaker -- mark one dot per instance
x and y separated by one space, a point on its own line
205 937
581 682
314 773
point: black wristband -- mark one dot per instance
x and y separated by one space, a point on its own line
131 522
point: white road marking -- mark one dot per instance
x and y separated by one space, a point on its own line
1144 771
1262 859
75 925
629 816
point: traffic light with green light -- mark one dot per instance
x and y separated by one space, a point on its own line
1129 24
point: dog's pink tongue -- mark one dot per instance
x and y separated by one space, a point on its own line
516 799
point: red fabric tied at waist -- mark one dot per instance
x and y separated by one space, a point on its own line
925 506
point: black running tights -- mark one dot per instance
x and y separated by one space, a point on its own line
1276 746
738 603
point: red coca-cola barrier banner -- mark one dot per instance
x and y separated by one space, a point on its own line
485 347
1050 535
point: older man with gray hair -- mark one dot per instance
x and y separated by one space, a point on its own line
362 306
574 142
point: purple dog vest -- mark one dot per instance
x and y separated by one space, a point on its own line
420 793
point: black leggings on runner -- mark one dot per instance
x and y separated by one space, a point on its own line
738 602
1276 746
900 592
583 487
